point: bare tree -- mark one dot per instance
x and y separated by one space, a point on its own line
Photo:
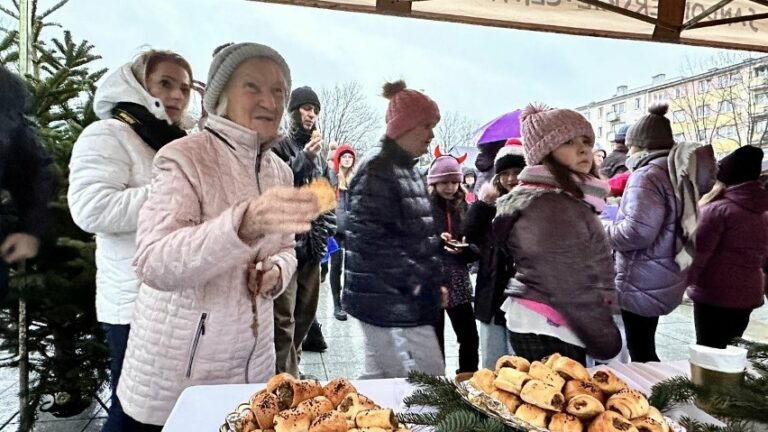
454 129
346 117
722 106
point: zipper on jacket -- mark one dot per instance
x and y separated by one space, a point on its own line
200 331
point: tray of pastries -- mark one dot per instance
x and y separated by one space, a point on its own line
558 394
290 405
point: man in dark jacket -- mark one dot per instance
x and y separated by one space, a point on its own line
614 162
392 277
25 174
295 309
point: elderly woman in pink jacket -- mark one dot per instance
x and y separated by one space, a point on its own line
215 243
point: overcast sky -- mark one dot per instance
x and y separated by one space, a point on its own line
479 71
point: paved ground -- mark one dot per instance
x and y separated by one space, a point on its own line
345 358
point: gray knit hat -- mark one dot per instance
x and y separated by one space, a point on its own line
227 58
653 131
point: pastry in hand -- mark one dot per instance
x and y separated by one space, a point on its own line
549 361
483 380
584 406
278 379
509 400
337 389
541 372
542 395
629 403
291 393
532 415
610 421
608 382
513 362
577 387
292 420
511 380
264 406
570 369
316 406
647 424
380 418
562 422
333 421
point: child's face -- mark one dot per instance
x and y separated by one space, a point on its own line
346 160
576 154
470 180
447 190
508 178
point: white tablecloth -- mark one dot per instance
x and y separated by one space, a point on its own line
203 408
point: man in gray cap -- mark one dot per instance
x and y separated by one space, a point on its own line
295 309
614 162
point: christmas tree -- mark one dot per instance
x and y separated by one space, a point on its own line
68 357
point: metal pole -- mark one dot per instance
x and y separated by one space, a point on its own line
25 67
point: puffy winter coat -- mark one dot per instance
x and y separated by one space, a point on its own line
731 249
614 163
25 170
643 235
110 172
494 268
310 247
193 315
562 259
392 268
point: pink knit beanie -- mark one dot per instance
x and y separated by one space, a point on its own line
445 169
545 129
407 109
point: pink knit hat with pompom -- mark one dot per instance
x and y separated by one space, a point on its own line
545 129
407 109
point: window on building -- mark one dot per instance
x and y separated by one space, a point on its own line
726 107
724 80
679 116
679 92
735 77
619 108
600 131
703 111
761 71
600 112
727 131
637 103
702 135
703 85
679 137
759 128
762 99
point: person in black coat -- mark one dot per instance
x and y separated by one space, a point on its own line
392 277
494 271
295 309
26 174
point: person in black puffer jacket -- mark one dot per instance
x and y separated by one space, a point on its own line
25 172
615 163
295 309
392 276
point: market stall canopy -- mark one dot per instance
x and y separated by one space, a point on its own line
736 24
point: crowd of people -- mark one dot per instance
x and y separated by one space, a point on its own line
210 254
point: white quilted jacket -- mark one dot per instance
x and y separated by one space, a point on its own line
110 171
193 316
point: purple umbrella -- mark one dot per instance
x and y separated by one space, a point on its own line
501 128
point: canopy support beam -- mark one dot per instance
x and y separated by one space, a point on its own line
671 15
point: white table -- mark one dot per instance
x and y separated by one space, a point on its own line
203 408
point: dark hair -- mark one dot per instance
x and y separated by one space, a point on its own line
564 176
458 201
605 153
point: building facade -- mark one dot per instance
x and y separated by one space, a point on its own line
725 106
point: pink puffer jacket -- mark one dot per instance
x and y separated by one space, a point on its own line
193 315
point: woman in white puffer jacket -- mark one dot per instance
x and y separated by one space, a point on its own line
139 106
